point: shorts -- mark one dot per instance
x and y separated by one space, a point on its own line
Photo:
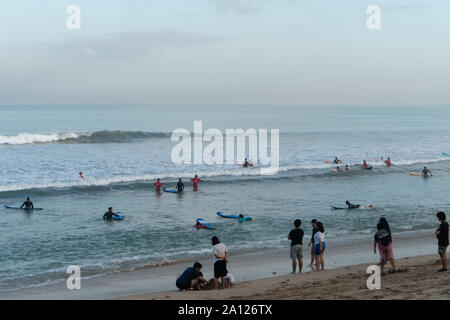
296 251
442 249
386 253
317 251
220 269
313 247
182 286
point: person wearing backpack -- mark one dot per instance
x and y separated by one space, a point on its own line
383 239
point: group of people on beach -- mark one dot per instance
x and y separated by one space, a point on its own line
192 277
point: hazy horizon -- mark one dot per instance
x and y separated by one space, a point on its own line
225 52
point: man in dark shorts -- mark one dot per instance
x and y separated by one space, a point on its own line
191 278
442 236
296 237
180 185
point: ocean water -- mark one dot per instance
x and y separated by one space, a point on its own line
122 150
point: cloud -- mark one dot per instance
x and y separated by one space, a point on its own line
239 6
127 45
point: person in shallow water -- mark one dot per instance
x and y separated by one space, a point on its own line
81 175
28 204
347 167
195 181
351 206
365 166
336 160
180 186
388 162
158 185
426 171
109 214
246 163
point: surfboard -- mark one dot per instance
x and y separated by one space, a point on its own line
170 190
338 208
415 174
120 216
18 208
229 216
204 224
445 154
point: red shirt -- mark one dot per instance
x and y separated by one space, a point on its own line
158 185
196 181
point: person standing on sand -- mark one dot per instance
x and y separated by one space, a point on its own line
383 239
311 242
319 246
296 237
442 235
220 255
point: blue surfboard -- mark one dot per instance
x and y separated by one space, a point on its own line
170 190
229 216
120 216
18 208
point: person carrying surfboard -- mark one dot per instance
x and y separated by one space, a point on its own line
28 204
426 171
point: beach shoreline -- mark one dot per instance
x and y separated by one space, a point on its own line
267 266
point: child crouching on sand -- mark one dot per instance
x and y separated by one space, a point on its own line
442 235
383 240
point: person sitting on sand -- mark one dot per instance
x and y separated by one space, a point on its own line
191 278
311 242
319 246
296 237
442 236
351 206
220 255
383 240
426 171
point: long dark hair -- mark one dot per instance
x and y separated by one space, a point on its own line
215 240
320 227
385 224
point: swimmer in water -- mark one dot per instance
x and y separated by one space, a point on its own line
28 204
195 181
351 206
388 162
347 167
81 175
180 186
426 171
109 214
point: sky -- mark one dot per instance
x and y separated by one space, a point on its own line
225 52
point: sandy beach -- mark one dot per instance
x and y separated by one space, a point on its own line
418 280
